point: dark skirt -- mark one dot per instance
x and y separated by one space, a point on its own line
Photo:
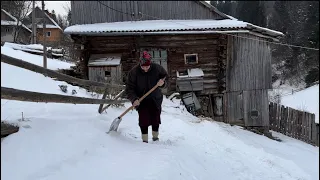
149 113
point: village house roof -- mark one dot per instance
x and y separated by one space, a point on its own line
13 22
168 26
48 15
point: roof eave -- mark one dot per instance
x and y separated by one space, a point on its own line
259 34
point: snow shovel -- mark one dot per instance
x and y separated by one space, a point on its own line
115 124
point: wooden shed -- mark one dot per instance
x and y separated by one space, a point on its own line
232 58
105 68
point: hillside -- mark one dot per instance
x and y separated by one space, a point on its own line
67 141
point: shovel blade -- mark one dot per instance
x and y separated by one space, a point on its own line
115 124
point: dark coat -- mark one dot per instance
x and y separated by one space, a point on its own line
140 82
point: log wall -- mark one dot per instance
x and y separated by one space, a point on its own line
211 50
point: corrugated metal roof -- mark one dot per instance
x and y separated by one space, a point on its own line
104 60
177 26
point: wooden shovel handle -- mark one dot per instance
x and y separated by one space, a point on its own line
145 95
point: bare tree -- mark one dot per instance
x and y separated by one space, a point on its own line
67 8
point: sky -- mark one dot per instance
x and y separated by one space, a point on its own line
57 6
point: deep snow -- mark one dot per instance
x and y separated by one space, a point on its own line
66 141
306 100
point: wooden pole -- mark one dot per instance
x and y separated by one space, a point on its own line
34 28
44 37
29 96
53 74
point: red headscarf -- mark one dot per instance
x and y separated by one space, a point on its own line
145 59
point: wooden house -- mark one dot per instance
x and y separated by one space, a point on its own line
54 32
225 62
8 28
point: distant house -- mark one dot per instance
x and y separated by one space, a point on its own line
225 62
8 26
53 31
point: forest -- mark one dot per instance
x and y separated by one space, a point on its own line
296 61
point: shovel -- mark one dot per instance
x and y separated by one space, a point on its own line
115 124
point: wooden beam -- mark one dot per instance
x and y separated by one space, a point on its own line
101 108
7 129
54 74
21 95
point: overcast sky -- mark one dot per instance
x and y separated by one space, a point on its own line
57 6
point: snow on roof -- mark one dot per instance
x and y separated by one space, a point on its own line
14 22
48 26
53 21
162 26
156 25
104 60
195 72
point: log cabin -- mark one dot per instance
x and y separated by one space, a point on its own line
222 61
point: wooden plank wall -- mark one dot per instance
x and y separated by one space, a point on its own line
249 74
88 12
294 123
98 74
211 50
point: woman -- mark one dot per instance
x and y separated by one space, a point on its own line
141 78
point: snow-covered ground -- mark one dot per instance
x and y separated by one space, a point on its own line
305 100
66 141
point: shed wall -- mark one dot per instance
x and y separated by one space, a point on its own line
248 80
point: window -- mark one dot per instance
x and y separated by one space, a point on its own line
107 74
7 30
191 58
48 33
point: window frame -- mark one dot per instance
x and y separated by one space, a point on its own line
48 35
194 54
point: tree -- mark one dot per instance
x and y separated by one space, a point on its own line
311 39
62 22
54 16
67 8
252 12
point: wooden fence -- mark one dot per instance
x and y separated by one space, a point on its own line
294 123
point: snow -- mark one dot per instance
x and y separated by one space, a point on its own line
67 141
195 72
27 46
105 62
55 23
48 26
305 100
52 64
162 25
156 25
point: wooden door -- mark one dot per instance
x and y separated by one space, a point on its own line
159 56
